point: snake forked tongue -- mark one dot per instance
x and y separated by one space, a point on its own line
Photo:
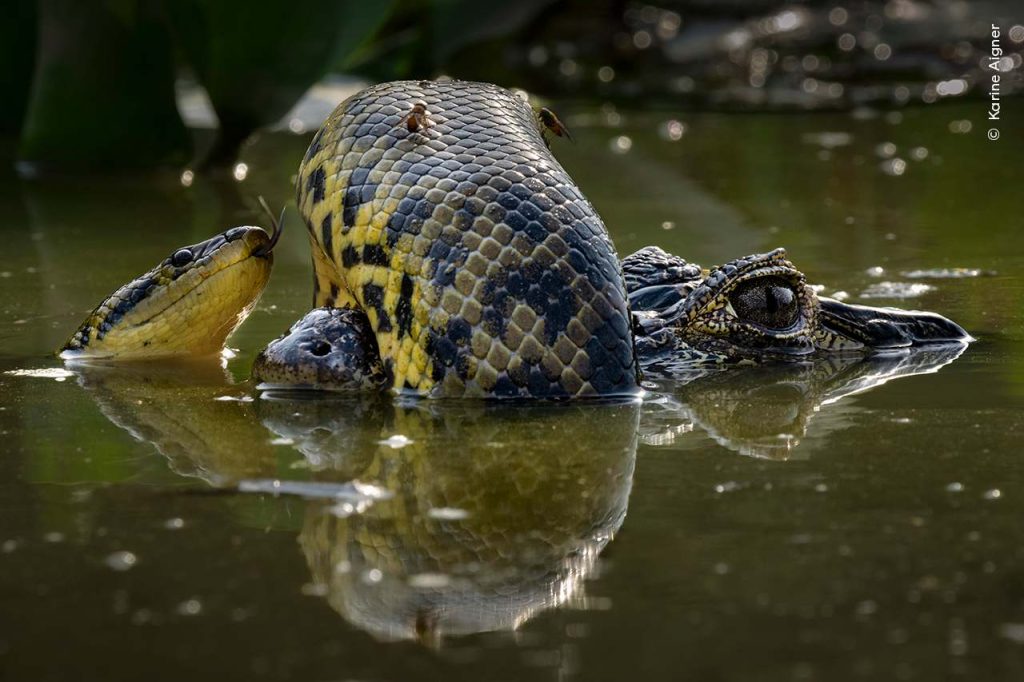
278 226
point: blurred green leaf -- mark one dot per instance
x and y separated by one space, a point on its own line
256 61
103 95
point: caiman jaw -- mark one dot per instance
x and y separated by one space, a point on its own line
845 325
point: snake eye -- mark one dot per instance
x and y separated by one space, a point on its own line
181 258
768 301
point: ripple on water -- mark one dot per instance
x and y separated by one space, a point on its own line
896 290
948 273
55 373
827 139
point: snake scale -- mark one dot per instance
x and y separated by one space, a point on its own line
482 268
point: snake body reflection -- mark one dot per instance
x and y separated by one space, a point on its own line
493 513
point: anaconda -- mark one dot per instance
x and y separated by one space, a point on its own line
454 256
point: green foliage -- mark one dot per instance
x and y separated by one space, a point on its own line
104 90
256 62
17 57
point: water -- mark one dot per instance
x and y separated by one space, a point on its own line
845 522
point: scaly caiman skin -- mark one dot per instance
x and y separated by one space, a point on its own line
436 208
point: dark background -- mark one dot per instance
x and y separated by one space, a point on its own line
91 85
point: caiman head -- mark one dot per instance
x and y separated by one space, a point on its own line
759 308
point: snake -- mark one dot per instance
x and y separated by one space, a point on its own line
453 256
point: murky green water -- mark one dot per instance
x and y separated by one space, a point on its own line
858 521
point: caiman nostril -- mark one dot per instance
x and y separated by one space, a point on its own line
181 258
234 233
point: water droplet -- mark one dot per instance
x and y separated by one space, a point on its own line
960 126
537 55
240 171
396 442
314 589
121 561
837 16
993 494
885 150
672 130
893 167
955 487
175 523
1013 632
448 514
951 88
621 144
429 581
190 607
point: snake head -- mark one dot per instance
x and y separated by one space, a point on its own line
187 305
759 308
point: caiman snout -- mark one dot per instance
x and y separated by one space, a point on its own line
883 328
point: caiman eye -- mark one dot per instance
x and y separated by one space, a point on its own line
181 258
768 301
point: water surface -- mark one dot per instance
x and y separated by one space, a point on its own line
845 521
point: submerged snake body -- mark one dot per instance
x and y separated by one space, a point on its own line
482 268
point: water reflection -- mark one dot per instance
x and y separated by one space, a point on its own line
498 512
434 519
765 411
189 411
492 513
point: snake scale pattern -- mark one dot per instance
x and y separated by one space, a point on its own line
481 266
